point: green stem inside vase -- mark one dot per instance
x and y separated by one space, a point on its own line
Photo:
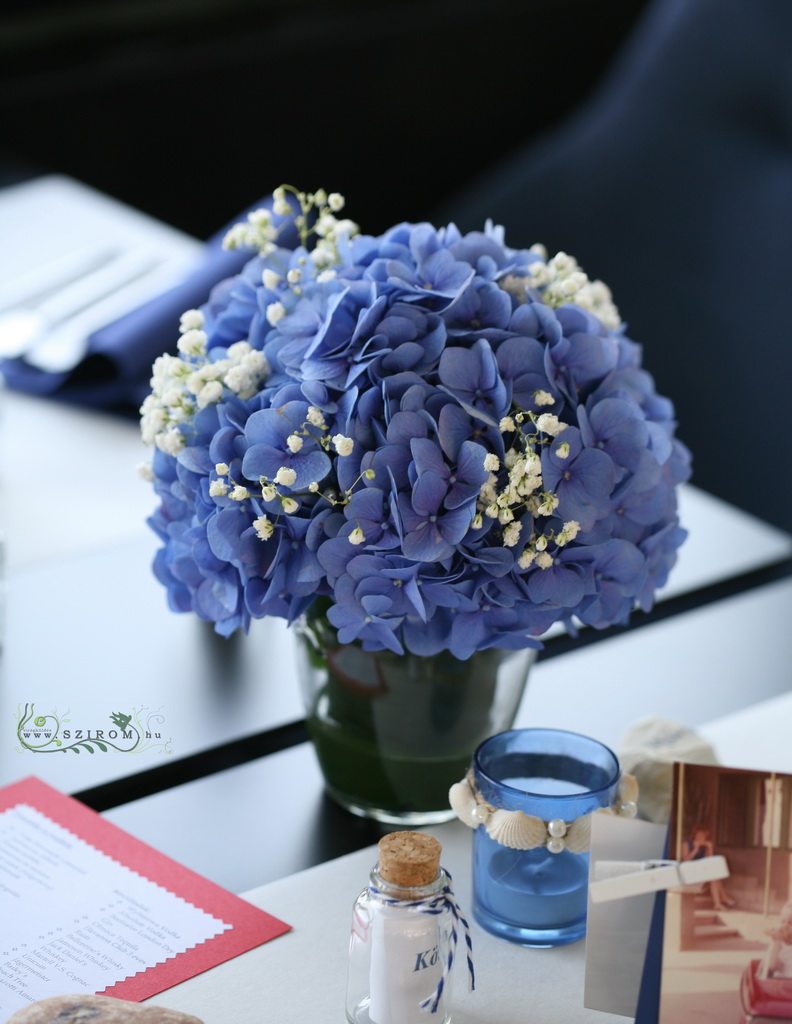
394 732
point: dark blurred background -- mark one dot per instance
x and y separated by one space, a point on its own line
192 109
650 138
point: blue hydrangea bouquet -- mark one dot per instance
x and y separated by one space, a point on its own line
452 441
426 448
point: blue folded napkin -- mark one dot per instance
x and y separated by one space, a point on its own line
115 371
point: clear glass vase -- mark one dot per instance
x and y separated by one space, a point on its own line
394 732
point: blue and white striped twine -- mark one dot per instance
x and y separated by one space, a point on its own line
436 905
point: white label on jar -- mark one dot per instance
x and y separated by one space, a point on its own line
406 965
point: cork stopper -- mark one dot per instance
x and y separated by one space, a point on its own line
409 858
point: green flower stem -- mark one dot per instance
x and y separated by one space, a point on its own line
394 732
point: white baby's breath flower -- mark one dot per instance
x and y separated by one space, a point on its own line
487 495
218 489
572 529
276 311
221 468
506 424
285 476
165 367
239 493
533 464
315 417
294 276
571 285
543 398
238 351
325 225
544 560
236 237
550 424
511 535
511 457
294 443
491 462
145 470
347 227
264 528
336 201
238 379
260 218
195 382
541 543
269 492
182 412
323 254
209 393
192 343
151 423
357 536
514 285
216 370
562 451
526 558
313 487
505 516
541 274
271 279
191 320
326 275
547 505
343 445
256 362
170 441
289 505
562 263
172 396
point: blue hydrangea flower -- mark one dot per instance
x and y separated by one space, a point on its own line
452 442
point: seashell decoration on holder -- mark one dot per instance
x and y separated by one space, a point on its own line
520 831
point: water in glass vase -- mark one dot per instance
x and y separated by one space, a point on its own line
393 733
401 786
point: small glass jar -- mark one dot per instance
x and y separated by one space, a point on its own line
538 896
401 936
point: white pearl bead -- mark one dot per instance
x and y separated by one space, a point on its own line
557 827
480 813
555 845
628 809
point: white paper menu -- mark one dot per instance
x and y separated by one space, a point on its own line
75 918
108 929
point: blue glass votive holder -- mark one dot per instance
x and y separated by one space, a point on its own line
538 896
